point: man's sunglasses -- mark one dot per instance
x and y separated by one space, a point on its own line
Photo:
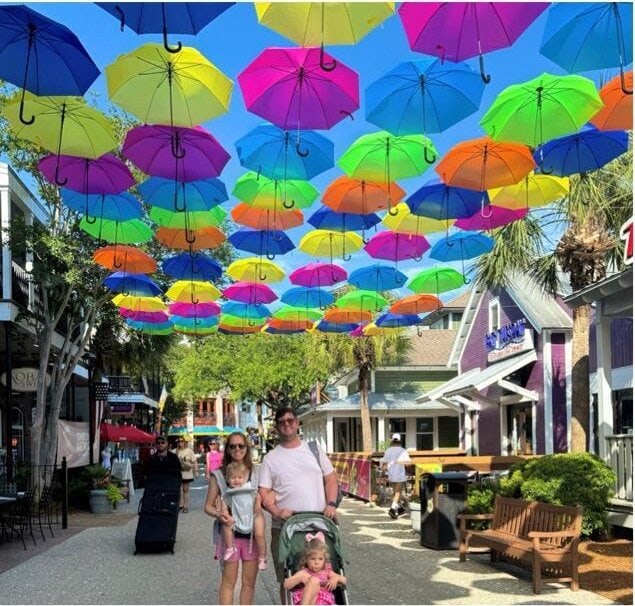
235 446
161 442
287 421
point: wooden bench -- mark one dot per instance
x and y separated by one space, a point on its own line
545 535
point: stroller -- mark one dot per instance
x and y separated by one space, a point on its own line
292 541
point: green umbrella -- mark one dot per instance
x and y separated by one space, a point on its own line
241 321
134 231
191 220
297 314
541 109
362 300
195 331
261 192
435 280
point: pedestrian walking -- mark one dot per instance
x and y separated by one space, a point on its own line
187 460
213 458
394 462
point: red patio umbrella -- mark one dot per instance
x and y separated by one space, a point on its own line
123 433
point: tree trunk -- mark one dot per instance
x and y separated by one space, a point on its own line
364 388
580 379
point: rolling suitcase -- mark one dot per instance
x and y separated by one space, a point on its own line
158 518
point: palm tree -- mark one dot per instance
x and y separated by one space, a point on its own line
588 221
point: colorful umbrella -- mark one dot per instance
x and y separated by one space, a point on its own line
132 284
585 36
236 314
346 195
196 331
173 195
372 330
617 113
297 314
347 316
325 243
377 277
435 280
189 322
533 190
395 246
244 329
438 200
164 17
188 220
325 326
581 152
155 317
455 31
126 258
181 154
325 218
541 109
150 328
273 194
182 89
189 291
263 218
496 216
261 242
195 266
191 240
482 164
287 86
42 56
254 269
417 304
191 310
134 231
362 300
462 245
273 152
406 222
301 296
252 293
425 96
276 326
394 320
139 303
317 275
116 207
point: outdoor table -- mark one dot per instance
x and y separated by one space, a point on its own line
5 503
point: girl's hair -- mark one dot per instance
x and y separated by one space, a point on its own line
227 459
312 546
236 468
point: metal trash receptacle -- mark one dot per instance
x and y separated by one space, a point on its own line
443 497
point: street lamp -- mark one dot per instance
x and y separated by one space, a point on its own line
89 359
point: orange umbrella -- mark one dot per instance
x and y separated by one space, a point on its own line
264 218
125 258
483 163
617 113
186 239
416 304
347 316
279 324
239 330
346 195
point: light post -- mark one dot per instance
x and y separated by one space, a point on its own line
89 358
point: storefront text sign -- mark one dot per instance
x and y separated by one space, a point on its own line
508 340
24 379
626 233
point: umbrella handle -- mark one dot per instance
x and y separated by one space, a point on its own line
364 239
270 256
303 153
115 264
90 220
195 300
178 209
419 333
346 257
24 120
290 205
343 111
491 212
485 77
327 67
122 17
417 258
177 149
262 277
429 160
391 209
167 47
625 90
58 180
187 236
399 280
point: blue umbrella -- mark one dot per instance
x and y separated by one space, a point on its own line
138 285
390 320
300 296
116 207
186 266
440 201
377 277
424 96
243 310
163 328
272 330
277 154
325 218
581 152
262 242
178 196
461 246
324 326
583 36
207 322
164 17
42 56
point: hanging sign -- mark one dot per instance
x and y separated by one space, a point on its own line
24 379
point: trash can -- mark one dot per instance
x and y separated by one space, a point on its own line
443 497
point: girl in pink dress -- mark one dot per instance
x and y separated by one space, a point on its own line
316 576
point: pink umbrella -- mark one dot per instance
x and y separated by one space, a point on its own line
496 216
317 275
104 175
396 246
288 87
177 153
154 317
252 293
194 310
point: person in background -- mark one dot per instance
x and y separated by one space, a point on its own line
106 458
187 460
162 462
214 458
394 462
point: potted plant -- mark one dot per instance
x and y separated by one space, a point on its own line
414 504
99 481
114 495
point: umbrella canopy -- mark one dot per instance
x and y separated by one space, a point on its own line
425 96
153 317
150 328
326 243
394 320
189 291
125 258
301 296
377 277
346 195
455 31
395 246
194 310
182 89
461 246
261 192
347 316
263 218
372 330
541 109
617 113
440 201
405 221
42 56
276 326
173 195
139 303
188 220
186 266
581 152
318 275
325 218
364 300
134 231
326 326
534 190
482 164
132 284
192 240
288 87
495 216
277 154
417 304
297 314
435 280
191 322
252 293
195 331
261 242
123 433
244 329
238 314
116 207
254 269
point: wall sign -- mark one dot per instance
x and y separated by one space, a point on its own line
626 234
24 379
508 340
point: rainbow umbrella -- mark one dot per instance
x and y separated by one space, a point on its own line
261 192
173 195
134 231
252 293
155 317
416 304
194 310
126 258
235 309
286 327
187 266
325 243
496 216
534 190
435 280
395 246
131 284
191 291
317 275
189 322
346 195
139 303
377 277
151 328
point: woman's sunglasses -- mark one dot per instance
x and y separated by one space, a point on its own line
235 446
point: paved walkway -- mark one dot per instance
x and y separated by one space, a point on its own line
386 564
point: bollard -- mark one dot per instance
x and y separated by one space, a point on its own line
64 494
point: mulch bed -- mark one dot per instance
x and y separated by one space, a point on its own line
606 567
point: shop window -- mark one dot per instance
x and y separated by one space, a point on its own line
425 433
397 426
448 432
494 319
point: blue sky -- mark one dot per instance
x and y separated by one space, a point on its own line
235 38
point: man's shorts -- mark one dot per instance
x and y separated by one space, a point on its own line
243 554
279 566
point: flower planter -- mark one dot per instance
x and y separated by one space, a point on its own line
99 502
415 516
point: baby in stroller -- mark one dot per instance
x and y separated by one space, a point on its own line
310 547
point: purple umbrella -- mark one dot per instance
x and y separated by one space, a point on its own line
317 275
194 310
287 86
396 246
455 31
496 216
250 292
104 175
154 317
174 152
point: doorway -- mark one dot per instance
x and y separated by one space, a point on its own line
520 429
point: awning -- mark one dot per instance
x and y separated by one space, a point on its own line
123 433
204 430
476 379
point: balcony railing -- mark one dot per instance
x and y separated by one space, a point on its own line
122 384
204 418
620 459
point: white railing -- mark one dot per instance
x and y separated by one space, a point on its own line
620 459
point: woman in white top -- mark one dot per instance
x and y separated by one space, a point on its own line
189 471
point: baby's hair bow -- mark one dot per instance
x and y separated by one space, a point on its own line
318 535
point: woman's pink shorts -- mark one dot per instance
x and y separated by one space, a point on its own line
243 553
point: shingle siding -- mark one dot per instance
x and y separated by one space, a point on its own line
415 382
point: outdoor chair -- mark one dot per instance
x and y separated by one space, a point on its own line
8 489
43 510
20 520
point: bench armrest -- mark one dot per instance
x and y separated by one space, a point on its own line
560 534
467 517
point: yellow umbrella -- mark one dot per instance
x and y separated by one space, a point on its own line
159 87
255 269
326 243
405 222
139 303
190 291
532 191
372 330
64 125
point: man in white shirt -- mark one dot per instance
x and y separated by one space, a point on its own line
394 461
291 481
